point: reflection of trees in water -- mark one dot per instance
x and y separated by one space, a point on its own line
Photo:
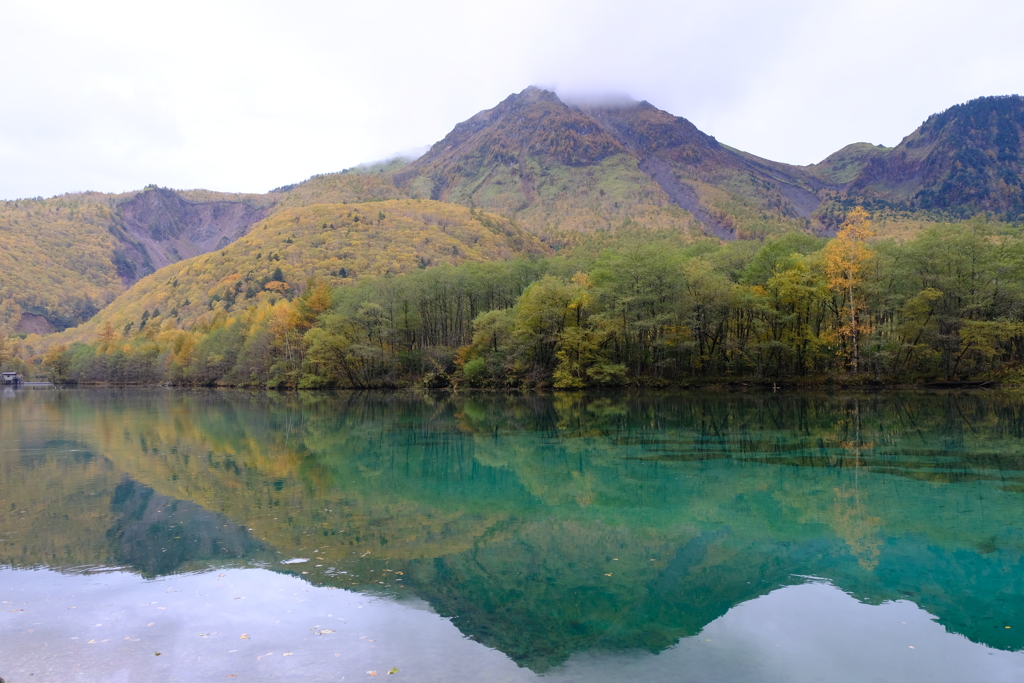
854 525
851 521
509 514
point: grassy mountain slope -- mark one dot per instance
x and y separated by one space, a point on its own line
366 183
844 166
338 243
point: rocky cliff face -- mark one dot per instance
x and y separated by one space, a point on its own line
169 228
63 259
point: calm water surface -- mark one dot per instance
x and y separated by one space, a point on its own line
205 536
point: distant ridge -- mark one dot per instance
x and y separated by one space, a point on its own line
963 160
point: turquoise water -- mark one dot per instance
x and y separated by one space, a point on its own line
724 537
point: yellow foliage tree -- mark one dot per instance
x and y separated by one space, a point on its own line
845 259
56 363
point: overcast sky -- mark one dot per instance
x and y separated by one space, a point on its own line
113 95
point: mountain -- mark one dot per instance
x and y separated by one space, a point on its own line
552 169
553 165
962 161
336 243
65 258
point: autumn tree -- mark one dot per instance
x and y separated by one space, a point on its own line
107 337
56 361
314 302
845 259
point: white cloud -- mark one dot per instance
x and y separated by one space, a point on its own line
246 96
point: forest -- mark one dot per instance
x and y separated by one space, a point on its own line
619 309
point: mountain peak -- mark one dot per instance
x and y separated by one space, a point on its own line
966 159
549 160
998 106
533 93
531 125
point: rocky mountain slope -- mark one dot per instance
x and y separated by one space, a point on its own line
554 165
171 228
65 258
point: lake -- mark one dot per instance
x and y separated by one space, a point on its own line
160 535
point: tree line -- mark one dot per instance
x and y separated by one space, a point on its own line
946 305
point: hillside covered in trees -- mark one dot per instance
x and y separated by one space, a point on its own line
947 305
63 259
543 243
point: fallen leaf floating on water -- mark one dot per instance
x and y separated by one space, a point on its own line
286 654
393 670
372 673
244 636
158 653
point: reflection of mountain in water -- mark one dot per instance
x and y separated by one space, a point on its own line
157 535
547 525
554 592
